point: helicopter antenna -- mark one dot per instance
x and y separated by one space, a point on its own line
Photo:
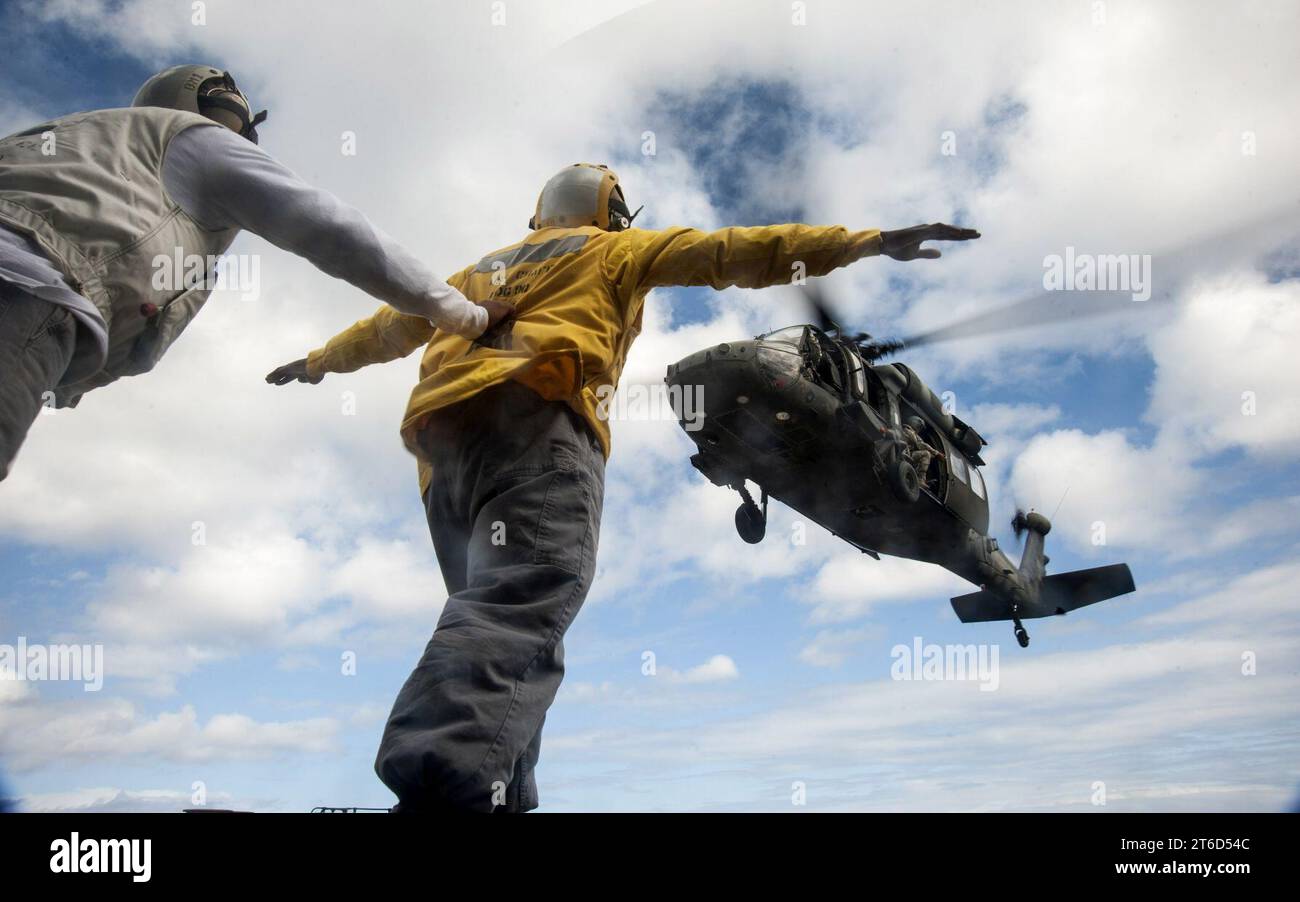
1062 501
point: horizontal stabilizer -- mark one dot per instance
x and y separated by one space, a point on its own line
1058 593
1064 592
980 607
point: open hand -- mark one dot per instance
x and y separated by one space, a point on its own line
905 244
292 372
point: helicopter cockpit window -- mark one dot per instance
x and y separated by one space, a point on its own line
780 353
827 360
790 335
859 375
977 481
958 466
876 394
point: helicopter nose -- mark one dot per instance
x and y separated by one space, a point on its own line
718 378
725 354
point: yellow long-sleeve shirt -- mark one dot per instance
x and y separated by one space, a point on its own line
578 296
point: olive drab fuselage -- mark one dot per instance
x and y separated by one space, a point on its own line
819 428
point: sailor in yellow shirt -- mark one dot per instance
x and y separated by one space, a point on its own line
512 445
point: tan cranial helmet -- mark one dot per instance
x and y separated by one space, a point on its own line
584 194
204 90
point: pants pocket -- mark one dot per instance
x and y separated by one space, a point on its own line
50 328
566 522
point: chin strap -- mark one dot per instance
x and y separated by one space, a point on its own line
619 218
221 99
618 215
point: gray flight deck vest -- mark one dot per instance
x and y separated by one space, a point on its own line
88 189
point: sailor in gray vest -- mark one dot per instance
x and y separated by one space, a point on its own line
91 203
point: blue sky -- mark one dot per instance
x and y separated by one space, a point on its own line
772 662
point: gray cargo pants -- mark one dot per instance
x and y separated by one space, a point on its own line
37 339
514 511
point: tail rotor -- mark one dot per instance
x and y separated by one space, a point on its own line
1019 525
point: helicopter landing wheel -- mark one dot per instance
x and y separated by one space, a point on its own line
750 523
751 520
904 481
1022 635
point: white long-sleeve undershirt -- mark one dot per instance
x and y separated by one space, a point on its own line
224 181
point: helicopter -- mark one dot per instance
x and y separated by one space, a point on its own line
815 418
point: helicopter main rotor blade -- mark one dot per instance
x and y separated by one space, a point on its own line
816 298
1045 308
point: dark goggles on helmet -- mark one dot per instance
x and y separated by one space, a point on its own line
619 216
223 94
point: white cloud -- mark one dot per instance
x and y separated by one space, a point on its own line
1127 143
1137 494
279 592
38 735
717 668
831 648
238 591
851 585
110 799
1259 597
1225 377
1100 714
397 580
1013 420
1227 372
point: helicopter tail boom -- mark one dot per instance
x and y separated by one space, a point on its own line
1028 591
1034 560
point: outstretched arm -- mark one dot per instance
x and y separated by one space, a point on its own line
761 256
388 335
385 336
223 181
